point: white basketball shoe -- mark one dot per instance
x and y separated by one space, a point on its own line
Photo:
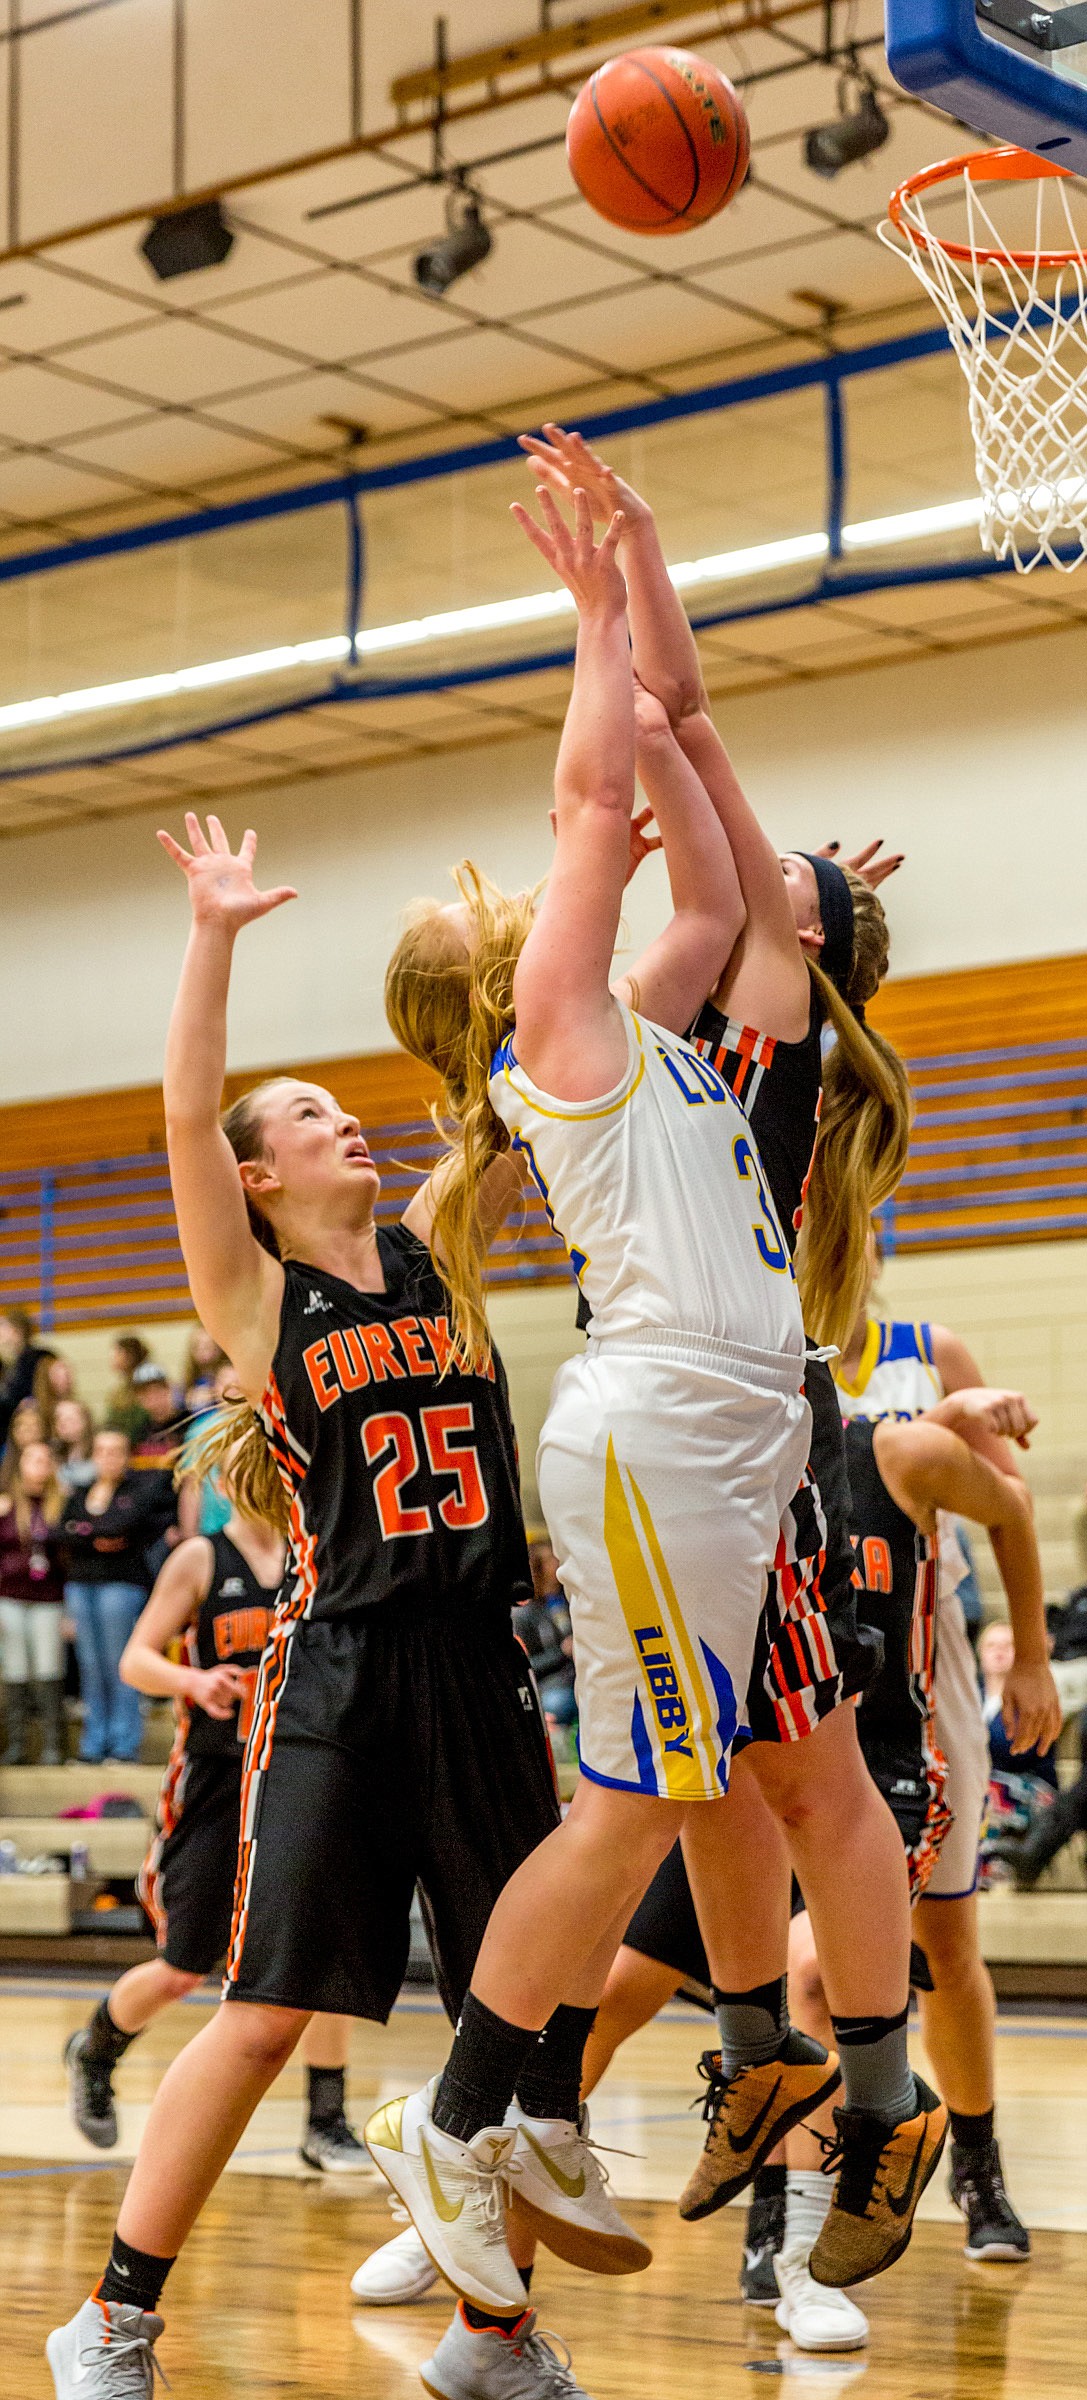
106 2352
814 2316
562 2189
455 2194
396 2274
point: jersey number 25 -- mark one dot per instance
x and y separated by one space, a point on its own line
462 1508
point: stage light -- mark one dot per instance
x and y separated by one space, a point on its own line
859 127
189 239
464 245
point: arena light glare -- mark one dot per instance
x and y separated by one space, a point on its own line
491 616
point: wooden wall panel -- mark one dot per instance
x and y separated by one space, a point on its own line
982 1008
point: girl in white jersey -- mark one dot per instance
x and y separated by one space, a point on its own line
671 1444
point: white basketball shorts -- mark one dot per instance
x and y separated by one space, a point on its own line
664 1466
960 1733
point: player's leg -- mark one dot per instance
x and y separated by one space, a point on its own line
329 2143
816 2318
958 2025
636 1989
94 2052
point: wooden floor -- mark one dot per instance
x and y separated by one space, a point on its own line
259 2304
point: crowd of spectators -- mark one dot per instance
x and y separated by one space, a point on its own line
88 1512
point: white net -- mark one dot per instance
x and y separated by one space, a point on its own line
1003 259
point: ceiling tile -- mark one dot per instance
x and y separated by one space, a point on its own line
38 404
650 325
95 116
469 370
291 411
172 360
266 80
47 487
172 451
337 315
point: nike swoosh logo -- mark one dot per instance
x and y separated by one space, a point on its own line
120 2270
447 2210
900 2208
755 2128
572 2186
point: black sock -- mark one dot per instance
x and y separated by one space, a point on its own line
326 2095
550 2084
769 2183
133 2278
481 2320
875 2068
752 2025
973 2133
482 2072
105 2040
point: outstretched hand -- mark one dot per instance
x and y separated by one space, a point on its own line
221 887
641 843
587 568
1008 1414
568 465
872 870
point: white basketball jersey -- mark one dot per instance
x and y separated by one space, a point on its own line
898 1377
659 1194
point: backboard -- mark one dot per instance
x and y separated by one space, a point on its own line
1010 68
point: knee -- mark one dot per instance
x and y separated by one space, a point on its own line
175 1983
807 1998
264 2037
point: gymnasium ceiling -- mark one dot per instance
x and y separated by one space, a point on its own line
311 347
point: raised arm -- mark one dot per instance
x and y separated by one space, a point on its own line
235 1284
927 1467
766 980
570 1036
672 978
179 1592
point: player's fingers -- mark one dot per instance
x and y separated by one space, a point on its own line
827 849
556 522
174 849
218 837
269 900
583 517
609 541
540 540
247 848
643 818
195 831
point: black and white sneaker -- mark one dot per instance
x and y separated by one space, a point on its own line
763 2238
90 2092
333 2149
976 2184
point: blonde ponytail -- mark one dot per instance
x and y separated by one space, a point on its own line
449 1001
234 1447
863 1139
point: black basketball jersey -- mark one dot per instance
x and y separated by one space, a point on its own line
779 1086
402 1479
897 1571
229 1630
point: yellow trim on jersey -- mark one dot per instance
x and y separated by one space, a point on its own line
868 1364
647 1612
584 1116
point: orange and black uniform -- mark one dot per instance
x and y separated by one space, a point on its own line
187 1880
897 1570
397 1740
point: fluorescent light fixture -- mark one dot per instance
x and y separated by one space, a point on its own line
533 608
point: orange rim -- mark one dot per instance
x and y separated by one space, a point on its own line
1007 165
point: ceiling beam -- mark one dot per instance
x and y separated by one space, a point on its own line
595 32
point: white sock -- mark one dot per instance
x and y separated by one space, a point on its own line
807 2201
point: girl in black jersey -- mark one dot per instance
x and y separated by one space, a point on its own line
814 947
214 1597
396 1739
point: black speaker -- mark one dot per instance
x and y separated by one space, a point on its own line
190 239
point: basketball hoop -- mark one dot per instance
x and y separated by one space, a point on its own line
1015 305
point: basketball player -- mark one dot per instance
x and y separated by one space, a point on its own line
902 1474
216 1596
396 1739
898 1370
671 1444
813 950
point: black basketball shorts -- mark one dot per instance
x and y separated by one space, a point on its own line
186 1882
810 1652
390 1749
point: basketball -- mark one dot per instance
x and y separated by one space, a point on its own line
658 141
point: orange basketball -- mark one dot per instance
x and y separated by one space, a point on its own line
658 141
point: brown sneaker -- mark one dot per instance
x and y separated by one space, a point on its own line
748 2113
882 2172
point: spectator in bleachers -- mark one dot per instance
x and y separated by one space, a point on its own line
155 1450
202 1364
26 1426
107 1530
19 1356
32 1606
53 1382
124 1410
73 1433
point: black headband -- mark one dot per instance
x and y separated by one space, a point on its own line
836 911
